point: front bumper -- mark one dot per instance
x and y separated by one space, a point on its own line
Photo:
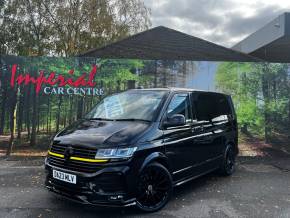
109 186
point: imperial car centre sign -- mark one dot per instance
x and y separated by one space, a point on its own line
53 83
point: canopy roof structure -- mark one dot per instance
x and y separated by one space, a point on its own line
271 42
162 43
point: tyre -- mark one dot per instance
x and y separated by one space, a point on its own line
154 188
227 167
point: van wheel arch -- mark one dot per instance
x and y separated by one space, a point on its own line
156 157
228 143
229 155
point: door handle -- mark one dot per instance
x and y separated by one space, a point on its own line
197 129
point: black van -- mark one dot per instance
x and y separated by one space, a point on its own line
135 146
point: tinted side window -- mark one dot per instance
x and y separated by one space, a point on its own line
203 106
211 106
223 108
180 105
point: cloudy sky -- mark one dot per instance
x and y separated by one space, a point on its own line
224 22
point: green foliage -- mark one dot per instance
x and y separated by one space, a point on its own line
66 28
249 115
240 81
260 93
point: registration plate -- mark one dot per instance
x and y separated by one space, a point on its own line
66 177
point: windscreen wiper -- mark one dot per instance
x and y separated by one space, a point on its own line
98 118
133 119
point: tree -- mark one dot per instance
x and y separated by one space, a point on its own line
34 118
82 25
12 119
66 28
25 29
4 93
261 95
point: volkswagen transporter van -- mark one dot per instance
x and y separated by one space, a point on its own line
135 146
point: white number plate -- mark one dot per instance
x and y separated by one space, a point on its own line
66 177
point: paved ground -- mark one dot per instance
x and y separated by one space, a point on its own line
259 188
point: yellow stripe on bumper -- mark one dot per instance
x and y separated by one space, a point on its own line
55 154
89 160
79 158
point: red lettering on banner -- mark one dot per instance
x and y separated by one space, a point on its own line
53 79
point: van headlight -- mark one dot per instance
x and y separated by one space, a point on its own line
115 153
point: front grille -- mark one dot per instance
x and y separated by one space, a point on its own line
78 151
74 165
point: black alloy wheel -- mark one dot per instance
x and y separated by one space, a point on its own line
154 188
228 165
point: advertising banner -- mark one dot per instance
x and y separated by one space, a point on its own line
42 95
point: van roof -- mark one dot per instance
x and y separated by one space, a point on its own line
172 89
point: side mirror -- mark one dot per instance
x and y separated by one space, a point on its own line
175 120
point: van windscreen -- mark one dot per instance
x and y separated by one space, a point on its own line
132 104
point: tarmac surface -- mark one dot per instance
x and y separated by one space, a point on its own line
260 187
